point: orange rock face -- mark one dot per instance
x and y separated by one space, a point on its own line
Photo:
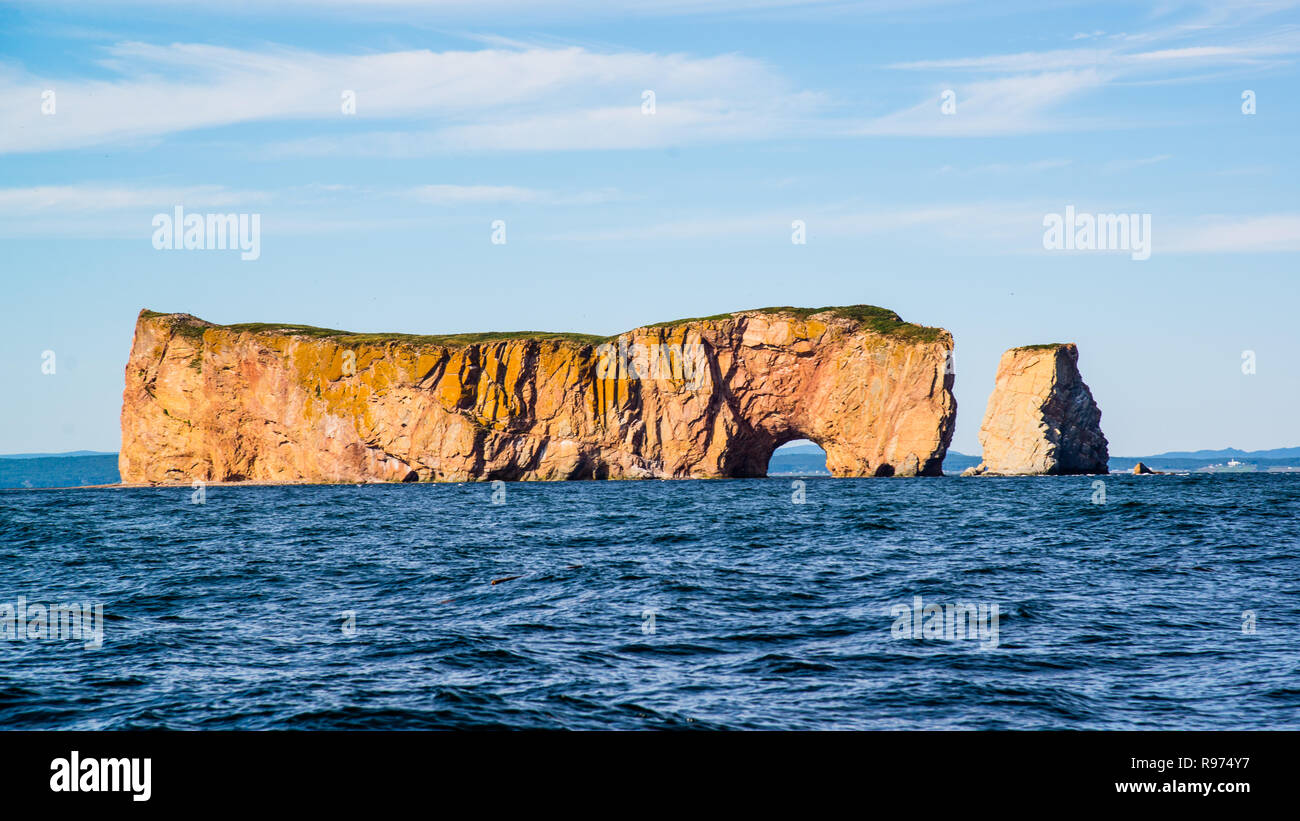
1041 418
694 399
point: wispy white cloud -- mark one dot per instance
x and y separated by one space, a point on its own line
443 194
549 9
1025 104
1030 61
1138 162
985 221
1033 167
111 211
124 211
1266 233
993 227
986 228
91 197
516 95
1113 58
491 98
1031 92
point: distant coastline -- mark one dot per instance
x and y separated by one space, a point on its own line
802 459
82 468
65 455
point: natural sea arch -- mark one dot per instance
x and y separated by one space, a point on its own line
801 457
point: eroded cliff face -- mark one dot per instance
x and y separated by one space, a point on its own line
692 399
1041 417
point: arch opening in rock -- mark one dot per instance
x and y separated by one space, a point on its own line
798 456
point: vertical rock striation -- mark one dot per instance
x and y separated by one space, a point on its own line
698 398
1041 417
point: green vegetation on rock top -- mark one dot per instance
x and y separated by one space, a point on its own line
1047 346
416 339
880 320
349 337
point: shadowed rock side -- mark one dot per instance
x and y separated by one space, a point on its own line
1041 417
697 398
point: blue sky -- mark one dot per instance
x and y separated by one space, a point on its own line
765 113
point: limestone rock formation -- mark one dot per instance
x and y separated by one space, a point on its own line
696 398
1041 417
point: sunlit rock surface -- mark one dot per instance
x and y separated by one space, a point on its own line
1041 417
699 398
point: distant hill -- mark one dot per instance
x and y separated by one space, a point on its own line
798 459
1189 460
31 470
807 459
956 462
1229 453
66 454
803 463
1123 464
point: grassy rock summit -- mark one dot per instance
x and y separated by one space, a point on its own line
696 398
1041 417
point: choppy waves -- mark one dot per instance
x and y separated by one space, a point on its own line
661 605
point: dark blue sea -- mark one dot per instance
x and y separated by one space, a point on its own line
1175 604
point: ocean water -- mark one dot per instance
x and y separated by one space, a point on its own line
688 604
58 471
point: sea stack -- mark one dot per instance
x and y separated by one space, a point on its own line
1041 418
696 398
